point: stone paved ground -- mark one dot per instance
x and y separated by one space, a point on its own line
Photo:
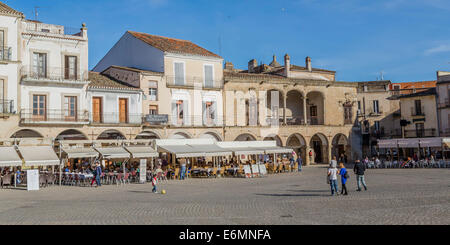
395 196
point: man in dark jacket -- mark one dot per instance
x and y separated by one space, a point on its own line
359 169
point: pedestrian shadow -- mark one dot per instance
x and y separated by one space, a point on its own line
293 195
309 190
141 191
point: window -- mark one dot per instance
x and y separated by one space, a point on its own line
39 107
39 65
377 125
2 38
209 109
70 67
70 107
209 76
153 110
152 91
3 49
376 108
179 73
418 107
179 110
3 103
420 130
313 111
348 114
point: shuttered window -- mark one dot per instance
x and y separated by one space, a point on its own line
179 73
39 65
70 67
209 76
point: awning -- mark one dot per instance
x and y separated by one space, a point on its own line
277 149
181 150
246 150
39 156
211 150
113 152
431 142
408 143
9 157
141 151
446 142
80 152
392 143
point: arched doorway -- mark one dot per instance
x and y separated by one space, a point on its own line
340 146
294 108
210 135
26 133
147 135
180 135
319 145
71 134
274 138
111 134
315 108
245 137
298 144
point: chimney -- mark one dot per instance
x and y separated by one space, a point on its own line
308 64
229 66
287 66
84 31
251 66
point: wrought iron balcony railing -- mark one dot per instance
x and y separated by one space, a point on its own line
444 104
419 133
32 26
7 107
36 116
193 82
52 74
5 53
116 118
418 111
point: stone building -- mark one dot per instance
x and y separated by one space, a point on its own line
378 114
443 102
299 107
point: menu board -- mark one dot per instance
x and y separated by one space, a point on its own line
262 169
33 180
247 171
143 171
255 170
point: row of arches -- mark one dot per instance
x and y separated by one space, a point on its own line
318 144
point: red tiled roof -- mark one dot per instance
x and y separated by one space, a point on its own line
417 85
8 10
174 45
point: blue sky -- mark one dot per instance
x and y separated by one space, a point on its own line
407 40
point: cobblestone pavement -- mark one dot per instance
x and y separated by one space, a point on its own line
395 196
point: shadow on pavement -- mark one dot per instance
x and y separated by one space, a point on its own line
294 195
309 190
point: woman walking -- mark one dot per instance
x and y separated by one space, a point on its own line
332 175
344 176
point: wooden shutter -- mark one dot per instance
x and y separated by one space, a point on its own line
209 80
179 73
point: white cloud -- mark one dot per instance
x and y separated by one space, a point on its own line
438 49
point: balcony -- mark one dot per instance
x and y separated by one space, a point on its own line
6 108
196 121
5 53
420 133
417 111
445 133
115 118
52 74
373 112
33 116
193 82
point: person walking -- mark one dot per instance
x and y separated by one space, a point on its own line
344 177
332 175
98 173
94 173
183 169
155 181
300 162
359 170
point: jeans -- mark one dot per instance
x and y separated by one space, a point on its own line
334 186
299 167
154 189
359 180
182 173
97 179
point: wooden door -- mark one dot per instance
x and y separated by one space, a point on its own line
123 110
39 107
70 106
97 109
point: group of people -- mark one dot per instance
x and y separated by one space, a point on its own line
334 171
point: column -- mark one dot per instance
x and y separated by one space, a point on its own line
304 111
307 160
329 149
284 109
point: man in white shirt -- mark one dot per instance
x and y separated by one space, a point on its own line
332 175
